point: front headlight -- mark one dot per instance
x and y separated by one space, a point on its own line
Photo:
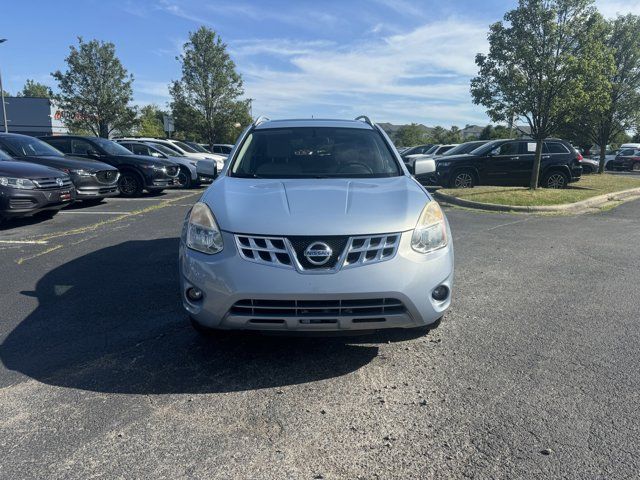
21 183
431 230
202 233
79 172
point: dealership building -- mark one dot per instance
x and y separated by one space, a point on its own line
33 116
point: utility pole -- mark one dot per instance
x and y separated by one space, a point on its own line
4 107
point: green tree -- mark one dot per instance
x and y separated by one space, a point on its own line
209 82
603 126
96 89
35 89
150 122
538 64
410 135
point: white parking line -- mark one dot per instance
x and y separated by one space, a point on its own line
23 242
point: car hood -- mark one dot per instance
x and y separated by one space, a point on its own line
316 206
74 163
446 158
27 170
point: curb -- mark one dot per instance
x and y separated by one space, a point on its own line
592 202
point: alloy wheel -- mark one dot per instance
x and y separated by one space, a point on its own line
556 180
128 185
636 167
463 180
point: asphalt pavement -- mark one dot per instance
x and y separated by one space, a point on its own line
533 373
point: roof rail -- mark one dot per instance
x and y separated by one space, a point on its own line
260 119
365 119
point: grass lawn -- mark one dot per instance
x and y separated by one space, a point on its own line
588 186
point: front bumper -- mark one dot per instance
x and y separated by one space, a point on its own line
226 279
89 187
21 203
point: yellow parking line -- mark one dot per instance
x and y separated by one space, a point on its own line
77 231
21 260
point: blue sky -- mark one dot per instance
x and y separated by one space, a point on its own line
395 60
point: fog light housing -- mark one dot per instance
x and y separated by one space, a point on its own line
440 293
194 294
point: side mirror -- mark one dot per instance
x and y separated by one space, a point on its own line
423 166
156 154
93 154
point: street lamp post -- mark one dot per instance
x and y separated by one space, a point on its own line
4 107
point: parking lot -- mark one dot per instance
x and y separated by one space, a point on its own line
532 374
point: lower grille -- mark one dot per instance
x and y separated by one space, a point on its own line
318 308
19 203
107 176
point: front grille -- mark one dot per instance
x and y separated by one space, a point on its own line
107 176
376 307
265 250
172 171
300 244
346 252
51 184
19 203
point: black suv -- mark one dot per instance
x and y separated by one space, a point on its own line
509 162
92 180
28 189
627 159
137 172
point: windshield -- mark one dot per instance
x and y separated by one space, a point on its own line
432 150
310 152
111 147
184 147
3 155
198 148
23 146
166 150
463 148
487 147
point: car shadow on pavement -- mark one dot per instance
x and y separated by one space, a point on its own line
111 321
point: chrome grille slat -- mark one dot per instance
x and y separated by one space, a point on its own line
278 251
49 183
318 308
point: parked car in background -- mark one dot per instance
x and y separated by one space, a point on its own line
509 162
590 165
626 159
368 248
432 152
416 150
93 180
221 148
29 189
183 149
188 175
466 147
137 173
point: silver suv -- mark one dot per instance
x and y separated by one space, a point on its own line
316 225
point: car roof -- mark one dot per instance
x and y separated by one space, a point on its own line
313 122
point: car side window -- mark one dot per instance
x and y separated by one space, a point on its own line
217 149
140 149
509 148
556 147
626 153
81 147
62 144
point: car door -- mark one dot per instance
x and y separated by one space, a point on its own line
502 165
83 148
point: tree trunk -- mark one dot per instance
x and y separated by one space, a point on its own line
104 130
603 154
535 173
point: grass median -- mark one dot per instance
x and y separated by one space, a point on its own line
588 186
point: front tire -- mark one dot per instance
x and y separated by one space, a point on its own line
184 178
463 179
130 185
555 179
635 167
